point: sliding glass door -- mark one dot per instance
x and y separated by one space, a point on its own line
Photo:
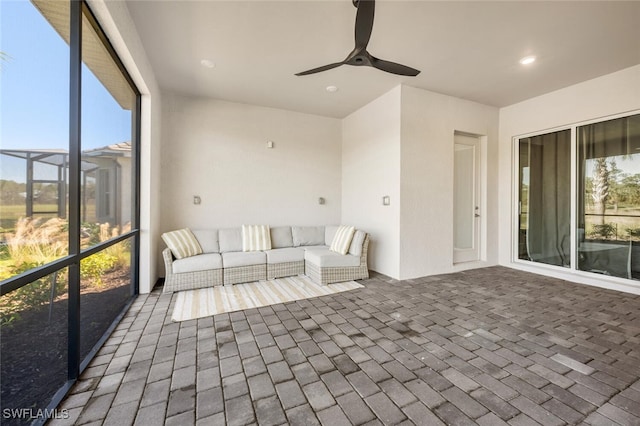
544 203
608 216
606 210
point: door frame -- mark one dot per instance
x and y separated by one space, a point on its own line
478 252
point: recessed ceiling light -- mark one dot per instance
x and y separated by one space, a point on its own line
207 63
331 89
528 60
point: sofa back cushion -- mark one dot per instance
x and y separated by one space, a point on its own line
208 239
307 235
329 233
230 239
182 243
281 237
356 243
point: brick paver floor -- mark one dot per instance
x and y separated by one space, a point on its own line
489 346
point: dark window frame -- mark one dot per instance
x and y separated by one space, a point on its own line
78 10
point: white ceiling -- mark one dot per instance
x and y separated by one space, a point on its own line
464 49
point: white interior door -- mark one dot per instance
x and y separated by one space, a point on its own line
466 202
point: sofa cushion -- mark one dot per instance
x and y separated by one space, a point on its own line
243 258
201 262
329 233
327 258
289 254
230 239
307 248
342 239
256 237
182 243
307 235
208 239
356 243
281 237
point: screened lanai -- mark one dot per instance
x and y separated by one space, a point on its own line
39 182
46 174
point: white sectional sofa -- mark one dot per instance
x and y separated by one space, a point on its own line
294 250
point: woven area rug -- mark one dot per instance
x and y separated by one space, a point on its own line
192 304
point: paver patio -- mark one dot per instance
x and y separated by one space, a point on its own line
488 346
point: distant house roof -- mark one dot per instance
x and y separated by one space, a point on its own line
60 157
122 149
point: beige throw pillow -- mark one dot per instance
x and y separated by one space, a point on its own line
182 243
357 242
342 239
256 237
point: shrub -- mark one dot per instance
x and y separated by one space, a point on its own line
604 231
96 265
30 296
89 234
122 250
38 241
35 242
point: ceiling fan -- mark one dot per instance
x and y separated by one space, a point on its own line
359 56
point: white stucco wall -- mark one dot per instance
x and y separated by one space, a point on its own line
371 170
116 22
401 145
218 151
429 121
602 97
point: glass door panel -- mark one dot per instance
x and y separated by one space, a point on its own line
544 198
609 197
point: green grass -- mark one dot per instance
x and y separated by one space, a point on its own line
12 211
20 210
9 214
621 223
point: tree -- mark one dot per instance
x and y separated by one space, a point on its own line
615 175
11 192
600 191
630 189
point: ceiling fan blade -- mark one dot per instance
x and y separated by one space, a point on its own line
364 22
393 67
320 69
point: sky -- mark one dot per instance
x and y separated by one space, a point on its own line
34 91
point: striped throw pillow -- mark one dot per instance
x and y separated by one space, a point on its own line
256 237
182 243
342 239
